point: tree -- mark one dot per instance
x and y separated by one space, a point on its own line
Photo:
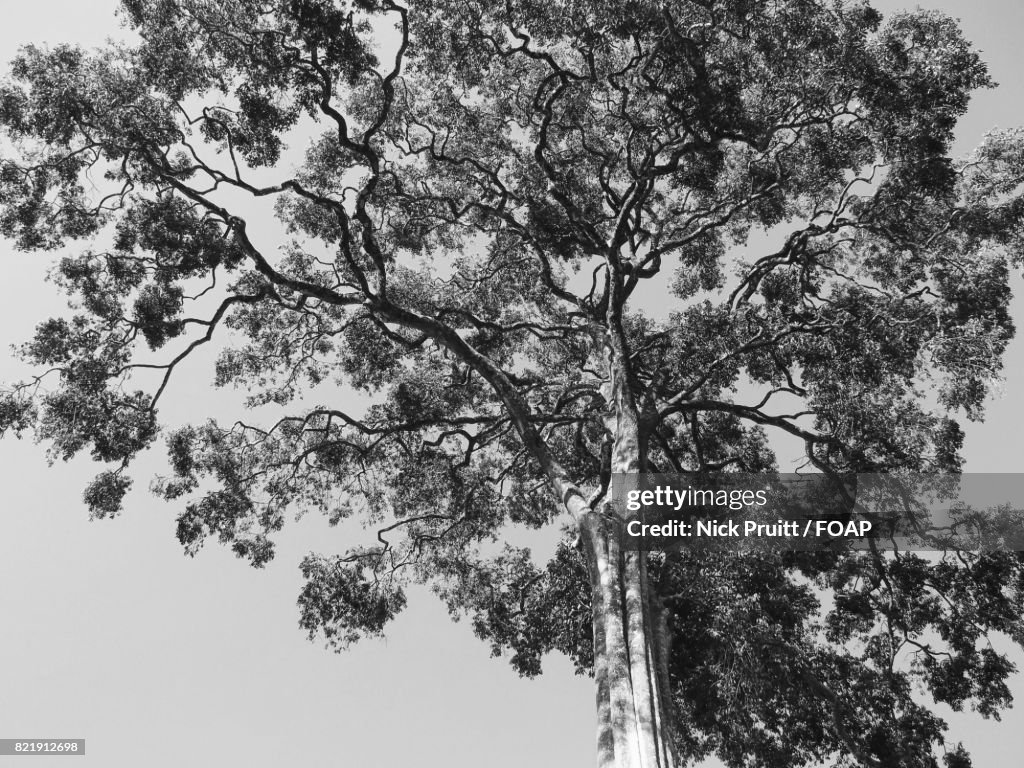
492 199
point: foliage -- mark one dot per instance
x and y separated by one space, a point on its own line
505 215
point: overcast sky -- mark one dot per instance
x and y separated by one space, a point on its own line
108 633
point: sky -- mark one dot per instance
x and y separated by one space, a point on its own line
109 633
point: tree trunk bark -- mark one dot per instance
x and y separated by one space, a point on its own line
634 726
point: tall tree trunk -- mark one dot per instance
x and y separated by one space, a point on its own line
633 705
633 710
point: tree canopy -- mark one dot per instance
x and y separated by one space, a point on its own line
545 242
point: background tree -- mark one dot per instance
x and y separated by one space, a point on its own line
494 207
